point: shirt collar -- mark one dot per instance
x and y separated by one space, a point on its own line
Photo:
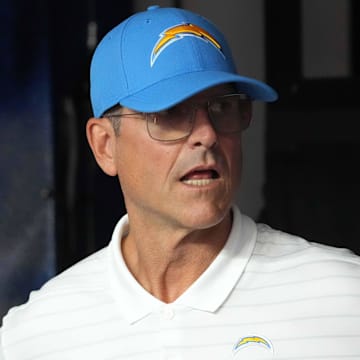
207 293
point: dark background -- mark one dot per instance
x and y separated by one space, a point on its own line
313 139
55 205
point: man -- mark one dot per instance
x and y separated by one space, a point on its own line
186 275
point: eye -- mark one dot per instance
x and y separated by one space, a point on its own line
174 114
221 105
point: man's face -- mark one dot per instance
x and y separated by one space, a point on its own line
187 184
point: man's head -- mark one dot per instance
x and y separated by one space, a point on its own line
160 57
168 73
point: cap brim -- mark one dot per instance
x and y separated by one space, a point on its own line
174 90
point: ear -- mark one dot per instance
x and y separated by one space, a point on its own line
101 138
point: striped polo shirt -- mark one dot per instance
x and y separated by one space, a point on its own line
267 295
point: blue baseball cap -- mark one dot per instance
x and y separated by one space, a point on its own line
160 57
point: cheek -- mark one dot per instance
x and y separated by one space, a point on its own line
233 153
233 150
143 166
128 161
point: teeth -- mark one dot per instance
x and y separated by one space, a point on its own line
198 182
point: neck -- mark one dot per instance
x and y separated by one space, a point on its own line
166 263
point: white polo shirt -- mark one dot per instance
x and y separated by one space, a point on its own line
267 295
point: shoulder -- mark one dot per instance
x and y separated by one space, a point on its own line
81 285
278 243
309 278
286 254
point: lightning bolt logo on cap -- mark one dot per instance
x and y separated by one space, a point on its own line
178 32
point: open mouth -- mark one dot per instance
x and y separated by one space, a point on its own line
200 177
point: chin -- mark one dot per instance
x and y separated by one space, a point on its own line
202 218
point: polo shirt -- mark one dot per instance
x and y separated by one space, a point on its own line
267 295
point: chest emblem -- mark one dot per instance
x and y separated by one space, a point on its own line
257 341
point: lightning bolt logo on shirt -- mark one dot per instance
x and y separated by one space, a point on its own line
178 32
252 340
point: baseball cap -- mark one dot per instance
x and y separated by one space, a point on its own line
159 57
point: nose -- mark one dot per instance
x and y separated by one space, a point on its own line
203 133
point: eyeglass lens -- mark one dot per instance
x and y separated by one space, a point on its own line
228 114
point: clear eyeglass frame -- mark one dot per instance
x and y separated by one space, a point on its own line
228 114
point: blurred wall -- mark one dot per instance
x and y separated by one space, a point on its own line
26 154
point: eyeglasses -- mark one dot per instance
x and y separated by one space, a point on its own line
229 114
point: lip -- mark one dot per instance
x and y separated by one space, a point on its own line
198 181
